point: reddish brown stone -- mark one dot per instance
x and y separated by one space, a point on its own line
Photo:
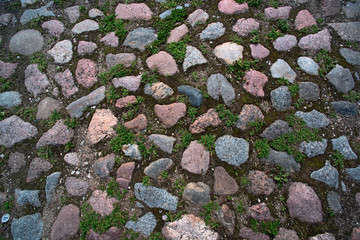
131 83
133 11
54 27
255 82
163 62
224 184
227 218
277 13
66 81
249 234
195 158
67 223
249 113
178 33
258 51
101 203
110 39
259 183
304 19
170 114
86 72
7 69
59 134
137 124
208 119
125 59
124 174
125 101
199 16
76 187
286 234
101 125
260 212
16 161
231 7
37 167
112 234
355 235
244 26
36 82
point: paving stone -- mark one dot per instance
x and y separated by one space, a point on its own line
130 83
308 65
285 43
208 119
229 52
324 236
101 125
247 233
102 203
345 108
73 13
110 39
165 143
140 38
86 47
13 130
260 212
304 19
30 14
281 69
133 11
341 78
234 151
218 86
76 108
254 82
124 174
309 91
125 101
330 7
46 107
29 227
59 134
281 98
258 51
195 158
67 223
10 99
333 200
112 234
66 81
227 218
197 193
76 187
94 13
7 69
304 204
86 72
178 33
162 62
189 227
168 12
312 149
157 167
260 183
213 31
232 7
170 114
125 59
25 197
286 161
158 90
37 167
26 42
137 124
354 173
276 129
132 151
16 161
351 56
35 81
317 41
62 52
52 182
7 19
199 16
193 94
327 174
224 184
249 113
352 9
285 234
355 234
341 144
313 119
244 26
277 13
193 57
144 225
155 197
104 165
85 26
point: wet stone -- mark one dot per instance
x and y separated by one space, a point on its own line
125 101
7 69
35 81
227 218
46 107
345 108
87 25
138 124
85 47
158 90
244 26
165 143
86 72
285 43
162 62
247 233
260 183
312 149
30 14
341 144
140 38
229 52
52 182
309 91
10 99
333 200
26 42
232 7
304 19
132 151
178 33
286 161
281 98
195 158
16 161
125 59
234 151
66 81
110 39
157 167
260 212
218 86
212 31
59 134
276 129
308 65
324 236
194 95
76 187
224 184
281 69
67 223
130 83
249 113
102 203
199 16
124 174
208 119
73 13
258 51
193 57
317 41
354 173
29 227
170 114
144 225
255 82
277 13
26 197
285 234
313 119
133 11
328 175
101 125
341 78
351 56
104 165
37 167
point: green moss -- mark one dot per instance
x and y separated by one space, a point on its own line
208 141
112 24
226 115
239 67
262 148
115 72
124 136
325 61
185 139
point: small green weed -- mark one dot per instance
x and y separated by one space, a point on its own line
320 20
262 147
164 174
274 3
244 180
185 138
7 206
240 207
352 96
196 3
16 5
171 217
226 115
298 103
113 190
146 180
39 58
34 23
256 126
254 37
178 49
274 34
5 84
111 94
82 9
283 25
146 152
54 117
208 141
149 78
179 186
112 24
28 114
279 175
68 146
207 211
115 72
59 2
45 152
156 236
2 114
192 111
203 48
338 159
267 227
310 30
124 136
236 39
325 61
239 67
72 123
251 3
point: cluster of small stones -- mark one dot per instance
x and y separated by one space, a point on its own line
46 195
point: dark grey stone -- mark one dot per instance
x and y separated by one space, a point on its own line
333 200
193 57
313 119
354 173
349 31
26 42
28 197
140 38
157 167
352 10
276 129
341 78
281 98
103 166
312 149
29 227
197 193
213 31
218 86
286 161
309 91
234 151
165 143
10 99
52 182
144 225
345 108
30 14
341 144
194 95
351 56
328 175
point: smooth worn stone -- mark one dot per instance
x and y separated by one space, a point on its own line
76 187
324 236
260 212
351 56
155 197
197 193
258 51
30 14
209 119
248 233
341 78
86 72
352 9
102 203
213 31
46 107
309 91
317 41
72 158
249 113
199 16
285 43
276 129
254 82
13 130
66 81
193 94
35 81
29 227
85 47
281 69
125 59
104 165
37 167
312 149
67 223
101 125
308 65
10 99
125 101
157 167
73 13
232 7
124 174
286 161
132 151
112 234
7 19
30 197
62 52
140 38
341 144
281 98
277 13
227 218
130 83
133 11
137 124
313 119
144 225
170 114
304 19
76 108
354 173
345 108
234 151
195 158
218 86
110 39
59 134
16 161
165 143
224 184
193 57
158 90
229 52
260 183
168 12
94 13
7 69
188 227
286 234
244 26
87 25
52 182
26 42
304 204
178 33
333 200
330 7
327 174
162 62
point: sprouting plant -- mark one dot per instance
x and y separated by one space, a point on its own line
226 115
39 58
179 186
208 141
192 111
146 180
262 147
338 159
207 211
185 139
280 176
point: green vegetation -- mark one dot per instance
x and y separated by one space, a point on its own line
244 180
208 141
16 5
279 175
146 151
164 174
54 117
274 3
172 3
171 217
251 3
239 67
298 103
185 138
133 108
240 207
256 126
262 147
179 186
112 24
45 152
149 78
2 114
192 111
111 94
39 58
310 30
72 123
7 206
274 34
226 115
5 84
28 114
146 180
207 211
283 25
293 88
203 48
115 72
325 62
267 227
178 49
156 236
338 159
254 37
59 2
68 146
124 136
82 9
236 39
34 23
352 96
